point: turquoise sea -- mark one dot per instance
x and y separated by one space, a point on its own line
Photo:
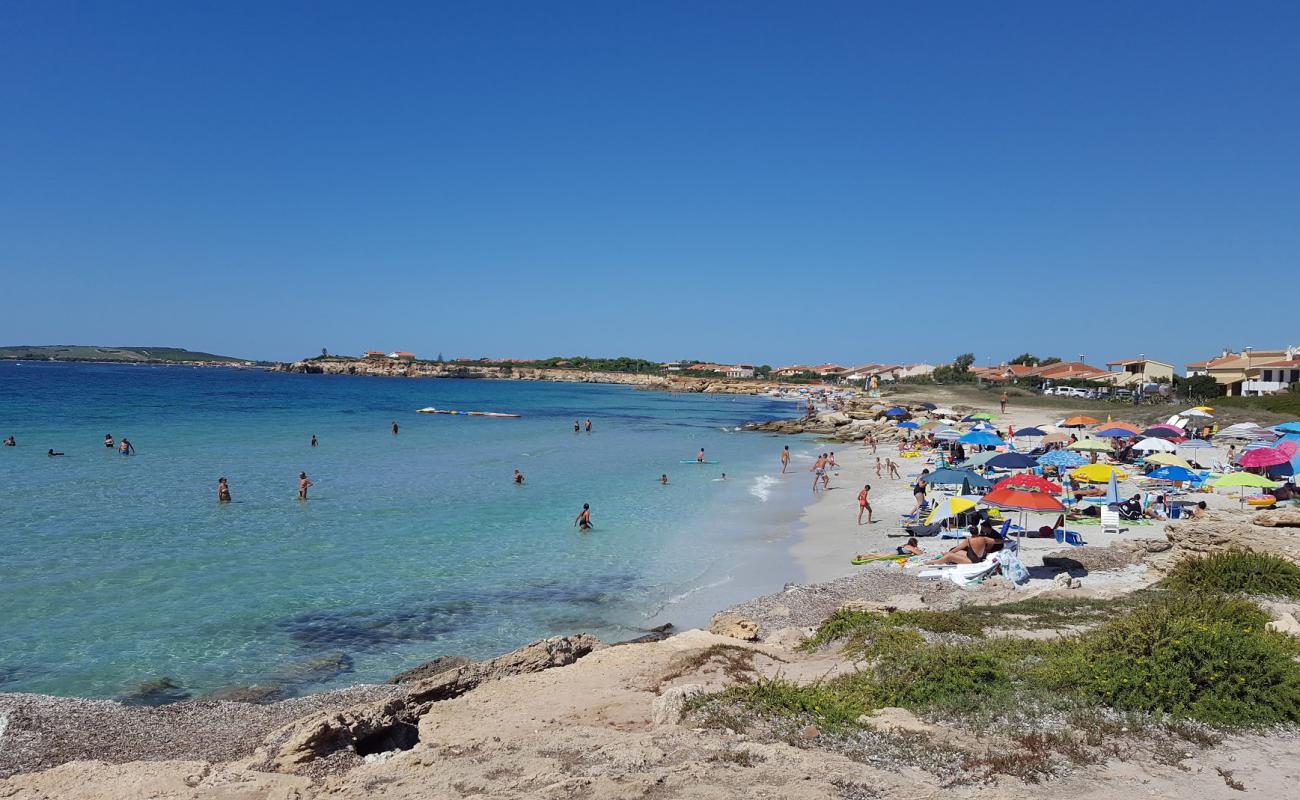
118 570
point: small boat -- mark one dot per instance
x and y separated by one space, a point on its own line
432 410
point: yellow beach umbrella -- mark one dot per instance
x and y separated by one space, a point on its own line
949 507
1097 473
1168 460
1206 409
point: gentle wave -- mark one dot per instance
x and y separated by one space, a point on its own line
762 487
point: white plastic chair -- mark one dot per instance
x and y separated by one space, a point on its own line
1110 521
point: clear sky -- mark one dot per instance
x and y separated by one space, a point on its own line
747 181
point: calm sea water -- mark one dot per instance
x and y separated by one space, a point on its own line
117 570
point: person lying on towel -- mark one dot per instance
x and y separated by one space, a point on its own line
972 550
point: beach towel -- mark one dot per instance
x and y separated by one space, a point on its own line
964 575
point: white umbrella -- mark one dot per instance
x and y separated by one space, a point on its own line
1195 412
1153 443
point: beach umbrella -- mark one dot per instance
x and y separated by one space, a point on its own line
1287 448
1196 412
1264 457
984 415
931 425
1288 427
1097 473
1030 432
1114 433
949 476
1123 426
1244 480
1196 444
1078 422
1011 461
896 412
979 459
929 406
1010 498
1112 491
1162 433
1171 473
943 412
983 426
1206 409
948 434
949 507
1169 460
1062 458
1095 445
908 425
1027 480
1155 444
981 438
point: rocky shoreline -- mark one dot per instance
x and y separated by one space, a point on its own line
450 370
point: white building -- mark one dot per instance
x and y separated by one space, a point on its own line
740 371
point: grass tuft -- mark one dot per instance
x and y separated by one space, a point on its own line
1237 572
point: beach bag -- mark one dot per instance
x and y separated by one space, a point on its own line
1013 569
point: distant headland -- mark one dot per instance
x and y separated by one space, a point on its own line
132 355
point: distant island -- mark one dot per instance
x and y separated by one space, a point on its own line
134 355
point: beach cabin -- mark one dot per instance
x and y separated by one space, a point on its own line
375 354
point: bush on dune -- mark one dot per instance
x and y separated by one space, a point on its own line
1236 573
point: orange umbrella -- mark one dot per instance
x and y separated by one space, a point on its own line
1078 422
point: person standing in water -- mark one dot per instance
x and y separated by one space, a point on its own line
576 427
313 440
223 491
108 441
785 459
519 478
125 447
700 456
583 520
588 426
864 504
663 479
303 485
394 427
724 477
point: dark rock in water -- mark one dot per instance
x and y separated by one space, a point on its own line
428 669
315 670
248 694
656 634
155 692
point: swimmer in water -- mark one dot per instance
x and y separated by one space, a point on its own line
663 479
394 427
303 485
108 441
313 440
519 478
583 520
52 454
588 426
576 426
223 491
125 447
10 442
724 477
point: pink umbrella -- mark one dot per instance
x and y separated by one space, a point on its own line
1263 457
1287 448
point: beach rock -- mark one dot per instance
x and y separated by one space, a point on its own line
735 626
789 638
1278 518
247 694
811 732
656 634
155 692
1065 580
557 651
868 606
833 418
667 707
1220 531
1285 623
429 669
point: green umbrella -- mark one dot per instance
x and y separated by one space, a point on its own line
1243 479
983 415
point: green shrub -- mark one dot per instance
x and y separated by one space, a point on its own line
1237 573
867 634
1204 657
945 675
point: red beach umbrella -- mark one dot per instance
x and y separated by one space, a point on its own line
1010 498
1263 457
1034 483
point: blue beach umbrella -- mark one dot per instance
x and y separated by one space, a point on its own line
896 412
1011 461
1172 473
1288 427
1112 491
909 424
981 438
979 460
1062 458
1029 432
1114 433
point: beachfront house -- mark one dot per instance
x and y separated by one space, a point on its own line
860 373
740 371
1004 373
1139 371
375 354
1242 373
401 355
1068 371
916 371
792 371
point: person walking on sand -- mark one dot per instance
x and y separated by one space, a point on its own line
519 478
879 466
583 520
394 427
870 439
1002 401
864 504
830 462
223 491
918 492
125 447
818 469
588 426
893 469
108 441
303 485
313 440
785 459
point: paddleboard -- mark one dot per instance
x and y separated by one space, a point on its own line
693 461
432 410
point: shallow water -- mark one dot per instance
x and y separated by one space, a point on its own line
116 570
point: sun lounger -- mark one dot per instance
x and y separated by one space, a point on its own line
964 574
1110 521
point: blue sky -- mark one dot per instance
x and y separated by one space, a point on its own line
749 181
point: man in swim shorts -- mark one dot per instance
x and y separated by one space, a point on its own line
303 485
583 520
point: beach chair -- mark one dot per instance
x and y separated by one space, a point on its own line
1110 521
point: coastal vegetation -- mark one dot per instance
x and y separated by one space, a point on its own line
1155 670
